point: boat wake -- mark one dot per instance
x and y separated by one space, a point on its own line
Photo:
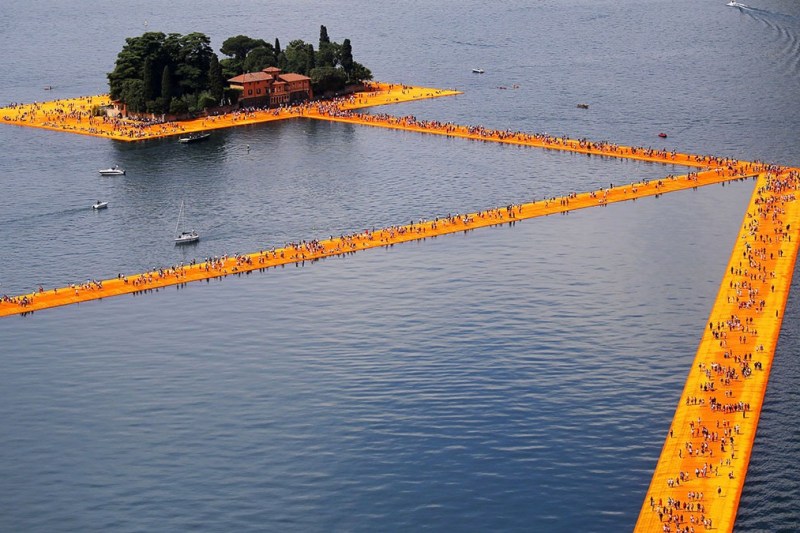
45 216
785 28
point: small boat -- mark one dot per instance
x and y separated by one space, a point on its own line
662 135
184 237
477 70
113 171
582 106
736 4
99 205
194 137
48 87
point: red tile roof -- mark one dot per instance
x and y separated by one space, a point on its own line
250 77
293 77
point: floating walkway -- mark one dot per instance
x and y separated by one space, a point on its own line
313 250
700 474
75 115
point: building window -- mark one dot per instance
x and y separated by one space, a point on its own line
258 91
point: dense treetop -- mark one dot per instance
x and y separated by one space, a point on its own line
174 73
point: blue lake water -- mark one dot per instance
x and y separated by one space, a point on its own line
513 378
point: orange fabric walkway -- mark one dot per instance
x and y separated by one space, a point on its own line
318 249
700 474
74 115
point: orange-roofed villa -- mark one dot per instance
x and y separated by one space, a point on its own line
270 87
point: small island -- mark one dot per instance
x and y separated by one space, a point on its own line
180 76
175 85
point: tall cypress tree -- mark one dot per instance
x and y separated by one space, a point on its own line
323 36
166 87
148 81
346 58
277 46
216 81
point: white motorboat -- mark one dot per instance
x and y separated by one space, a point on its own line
113 171
194 137
736 4
477 70
99 205
184 237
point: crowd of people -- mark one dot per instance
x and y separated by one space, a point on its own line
732 353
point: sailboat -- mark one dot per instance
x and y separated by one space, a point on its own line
184 237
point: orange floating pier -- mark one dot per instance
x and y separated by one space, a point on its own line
75 115
700 475
312 250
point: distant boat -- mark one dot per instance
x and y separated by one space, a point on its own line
184 237
582 106
48 87
194 137
477 70
662 135
113 171
99 205
736 4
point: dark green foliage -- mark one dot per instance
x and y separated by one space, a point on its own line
149 79
327 80
178 107
216 82
297 57
359 73
130 63
183 62
205 100
238 47
346 56
260 58
181 74
166 89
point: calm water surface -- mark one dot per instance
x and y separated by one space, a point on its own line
513 378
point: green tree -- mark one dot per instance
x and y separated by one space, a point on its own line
205 100
192 63
178 107
277 46
131 91
327 51
297 57
327 79
166 89
346 57
323 36
148 80
130 62
216 81
310 59
239 46
359 73
260 58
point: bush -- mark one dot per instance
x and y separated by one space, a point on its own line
205 100
178 107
